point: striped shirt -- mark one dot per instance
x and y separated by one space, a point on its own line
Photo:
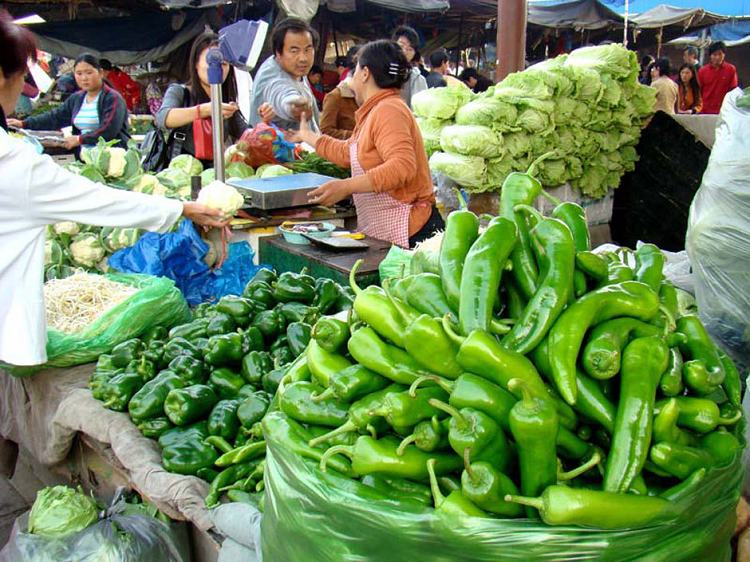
87 118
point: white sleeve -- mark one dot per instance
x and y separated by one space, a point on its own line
54 194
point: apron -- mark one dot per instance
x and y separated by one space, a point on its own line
378 214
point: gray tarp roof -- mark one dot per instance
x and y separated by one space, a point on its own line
663 16
578 14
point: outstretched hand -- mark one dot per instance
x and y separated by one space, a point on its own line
204 216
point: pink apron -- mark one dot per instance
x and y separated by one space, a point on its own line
378 214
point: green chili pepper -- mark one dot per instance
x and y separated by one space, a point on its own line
242 454
671 379
373 456
341 439
361 416
294 287
352 383
207 474
177 347
185 405
125 352
686 488
281 429
323 364
218 442
402 409
427 435
722 445
665 426
630 298
424 293
189 369
326 294
649 263
699 379
271 323
486 487
534 425
155 427
398 489
226 350
732 385
617 272
461 230
190 331
331 334
455 504
474 435
148 402
117 390
554 249
574 218
643 362
699 346
260 294
480 353
223 420
296 402
373 307
424 261
601 355
252 409
386 360
225 478
680 460
592 265
299 370
563 505
220 323
298 334
700 414
482 272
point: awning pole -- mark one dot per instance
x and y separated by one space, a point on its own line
511 37
625 35
460 38
658 42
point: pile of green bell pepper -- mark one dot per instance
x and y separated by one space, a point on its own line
202 388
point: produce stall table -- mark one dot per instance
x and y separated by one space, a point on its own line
283 256
63 431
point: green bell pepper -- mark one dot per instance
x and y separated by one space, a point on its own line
125 352
263 275
153 334
177 347
190 331
272 379
254 365
298 312
189 369
298 335
225 382
188 456
271 323
239 308
223 420
252 409
226 350
185 405
148 402
297 287
220 323
155 427
117 391
260 294
326 294
197 431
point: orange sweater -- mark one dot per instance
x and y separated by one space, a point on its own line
390 151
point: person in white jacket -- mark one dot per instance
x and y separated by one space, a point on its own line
36 192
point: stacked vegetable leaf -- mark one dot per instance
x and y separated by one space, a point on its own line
436 109
585 109
202 388
574 385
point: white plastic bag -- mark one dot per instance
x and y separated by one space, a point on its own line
718 235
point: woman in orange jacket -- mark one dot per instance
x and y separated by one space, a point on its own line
391 183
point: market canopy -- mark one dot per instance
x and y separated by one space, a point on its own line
577 14
686 18
122 40
721 7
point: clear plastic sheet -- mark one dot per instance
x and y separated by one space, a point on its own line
118 536
717 237
310 515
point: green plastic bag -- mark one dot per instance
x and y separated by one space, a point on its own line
310 515
396 263
158 302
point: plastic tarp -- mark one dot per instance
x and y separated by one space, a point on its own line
412 6
722 7
124 40
687 18
578 14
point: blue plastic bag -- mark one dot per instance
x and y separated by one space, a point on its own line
179 256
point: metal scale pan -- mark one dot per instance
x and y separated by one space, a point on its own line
279 192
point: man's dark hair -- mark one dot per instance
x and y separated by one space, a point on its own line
691 51
351 57
467 73
412 36
438 58
387 63
663 65
316 70
292 25
717 46
340 61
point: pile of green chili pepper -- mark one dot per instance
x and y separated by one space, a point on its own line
203 387
569 388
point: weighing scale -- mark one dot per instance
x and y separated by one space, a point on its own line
278 192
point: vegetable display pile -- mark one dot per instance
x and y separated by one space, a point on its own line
576 387
202 388
77 301
585 108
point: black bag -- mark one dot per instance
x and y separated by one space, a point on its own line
156 151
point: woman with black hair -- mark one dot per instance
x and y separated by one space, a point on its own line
390 183
407 38
98 110
186 103
688 91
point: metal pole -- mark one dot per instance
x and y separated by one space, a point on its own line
214 58
458 46
511 37
625 34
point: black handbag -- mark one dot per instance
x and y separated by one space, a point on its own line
157 152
